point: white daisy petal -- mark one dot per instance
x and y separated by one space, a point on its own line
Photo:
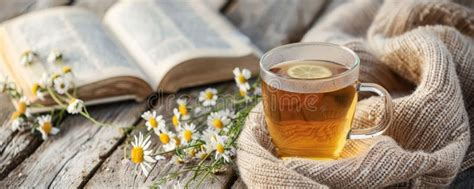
54 130
145 172
149 159
147 152
147 144
246 73
147 165
140 139
44 135
146 140
236 71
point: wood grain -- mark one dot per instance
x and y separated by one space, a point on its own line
14 146
68 159
239 184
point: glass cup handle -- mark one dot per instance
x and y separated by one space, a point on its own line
386 120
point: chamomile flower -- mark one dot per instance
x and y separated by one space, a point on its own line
244 93
61 85
176 141
182 108
176 119
140 155
23 104
208 97
241 77
219 147
202 155
188 133
153 121
27 58
191 153
75 106
16 121
167 138
209 135
54 57
67 70
217 120
38 91
46 127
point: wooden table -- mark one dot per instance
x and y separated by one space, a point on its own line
84 155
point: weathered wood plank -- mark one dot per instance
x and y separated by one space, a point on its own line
239 184
6 134
14 146
70 158
10 9
115 173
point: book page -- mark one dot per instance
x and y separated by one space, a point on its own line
80 37
161 34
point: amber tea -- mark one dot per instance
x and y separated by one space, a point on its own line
309 124
309 96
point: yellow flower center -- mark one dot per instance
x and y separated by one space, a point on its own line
46 127
243 92
217 123
137 155
220 148
182 109
242 79
177 141
66 69
209 95
35 88
164 138
22 107
175 121
15 115
192 152
152 122
187 135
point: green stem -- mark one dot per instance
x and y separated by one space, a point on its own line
180 148
55 98
100 124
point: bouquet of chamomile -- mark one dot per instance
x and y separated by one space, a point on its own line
201 136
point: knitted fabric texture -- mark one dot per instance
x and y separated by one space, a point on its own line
429 43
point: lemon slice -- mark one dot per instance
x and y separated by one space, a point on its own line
306 71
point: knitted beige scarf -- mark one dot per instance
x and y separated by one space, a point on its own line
430 43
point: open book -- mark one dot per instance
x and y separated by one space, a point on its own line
139 47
